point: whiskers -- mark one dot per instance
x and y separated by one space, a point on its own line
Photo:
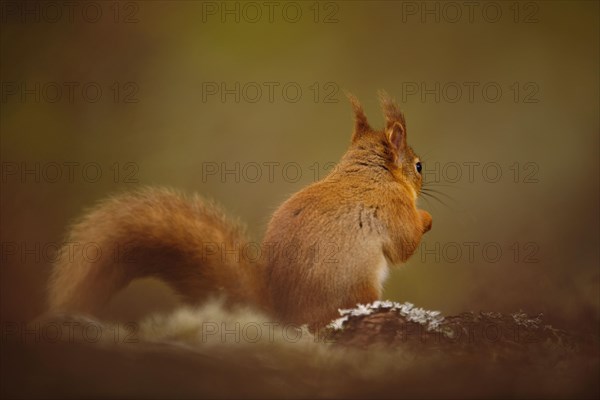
429 191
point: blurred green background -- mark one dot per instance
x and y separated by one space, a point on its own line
156 122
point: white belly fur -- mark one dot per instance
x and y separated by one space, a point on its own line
382 272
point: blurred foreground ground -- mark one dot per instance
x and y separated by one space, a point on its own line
209 353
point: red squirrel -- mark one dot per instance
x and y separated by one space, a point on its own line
327 247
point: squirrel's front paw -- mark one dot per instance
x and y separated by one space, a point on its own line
426 220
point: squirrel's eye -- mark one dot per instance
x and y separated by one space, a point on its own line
418 166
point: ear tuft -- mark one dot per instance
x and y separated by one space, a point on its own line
361 125
395 124
391 111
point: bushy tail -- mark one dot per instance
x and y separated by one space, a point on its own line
187 242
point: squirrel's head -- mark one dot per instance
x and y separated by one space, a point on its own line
386 149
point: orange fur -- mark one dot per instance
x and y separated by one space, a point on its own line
361 213
329 245
154 232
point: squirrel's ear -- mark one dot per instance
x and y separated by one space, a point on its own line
361 125
395 125
396 135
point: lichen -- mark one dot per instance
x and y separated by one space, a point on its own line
523 319
430 319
